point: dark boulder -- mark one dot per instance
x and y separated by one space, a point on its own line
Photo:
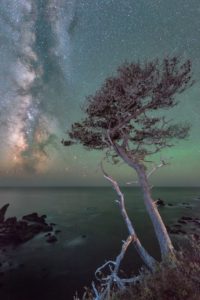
177 225
3 212
35 228
22 224
196 222
185 218
47 234
11 221
44 216
34 218
52 239
182 231
177 231
182 222
47 228
160 202
173 231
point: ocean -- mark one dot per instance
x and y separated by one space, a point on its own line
92 231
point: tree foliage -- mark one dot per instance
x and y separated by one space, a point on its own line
122 111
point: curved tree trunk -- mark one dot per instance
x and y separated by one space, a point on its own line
166 247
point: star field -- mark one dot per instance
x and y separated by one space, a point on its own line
55 53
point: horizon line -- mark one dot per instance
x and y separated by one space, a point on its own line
93 186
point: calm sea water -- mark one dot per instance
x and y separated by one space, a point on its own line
92 231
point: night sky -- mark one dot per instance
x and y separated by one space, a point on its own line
53 53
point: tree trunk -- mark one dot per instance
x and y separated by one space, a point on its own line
166 247
148 260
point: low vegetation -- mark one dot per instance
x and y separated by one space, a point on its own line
180 281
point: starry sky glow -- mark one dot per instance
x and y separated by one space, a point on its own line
56 52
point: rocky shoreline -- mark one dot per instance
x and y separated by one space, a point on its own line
14 232
185 224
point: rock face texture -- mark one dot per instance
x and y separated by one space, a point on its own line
14 232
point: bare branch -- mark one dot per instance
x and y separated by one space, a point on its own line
113 280
132 182
147 259
156 167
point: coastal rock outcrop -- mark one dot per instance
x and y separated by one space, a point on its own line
190 224
160 202
3 212
15 232
52 239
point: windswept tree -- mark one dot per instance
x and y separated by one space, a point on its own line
126 118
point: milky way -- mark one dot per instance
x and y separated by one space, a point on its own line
26 129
